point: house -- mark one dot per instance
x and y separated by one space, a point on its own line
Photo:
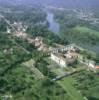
97 67
58 59
38 41
8 51
61 59
91 64
8 30
69 55
72 54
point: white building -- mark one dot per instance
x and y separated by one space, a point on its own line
90 63
61 60
58 60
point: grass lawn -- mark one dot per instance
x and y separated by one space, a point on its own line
94 92
86 29
67 84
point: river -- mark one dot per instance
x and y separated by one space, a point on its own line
53 25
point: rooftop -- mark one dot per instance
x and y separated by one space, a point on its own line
63 57
97 66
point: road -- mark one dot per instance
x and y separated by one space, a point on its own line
8 22
66 74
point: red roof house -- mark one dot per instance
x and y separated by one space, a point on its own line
97 66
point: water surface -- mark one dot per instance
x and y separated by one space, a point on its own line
53 25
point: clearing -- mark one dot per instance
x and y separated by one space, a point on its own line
86 30
36 73
67 84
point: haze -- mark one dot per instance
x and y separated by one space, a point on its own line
61 3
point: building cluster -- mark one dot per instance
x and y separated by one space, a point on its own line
66 57
87 16
70 55
8 51
19 26
40 45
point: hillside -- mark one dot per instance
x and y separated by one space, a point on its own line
37 63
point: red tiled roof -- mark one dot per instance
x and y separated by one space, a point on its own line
97 66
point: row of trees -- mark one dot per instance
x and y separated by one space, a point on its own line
42 64
3 25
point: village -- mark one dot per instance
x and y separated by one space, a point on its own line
58 62
63 55
63 61
49 50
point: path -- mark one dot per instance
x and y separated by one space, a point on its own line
7 21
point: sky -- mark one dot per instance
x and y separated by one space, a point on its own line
61 3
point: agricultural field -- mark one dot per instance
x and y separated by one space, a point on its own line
67 84
80 85
88 82
86 30
36 73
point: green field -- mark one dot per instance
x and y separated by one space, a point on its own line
86 30
36 73
67 84
88 83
